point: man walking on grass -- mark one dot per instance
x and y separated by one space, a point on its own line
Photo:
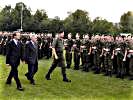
13 56
57 48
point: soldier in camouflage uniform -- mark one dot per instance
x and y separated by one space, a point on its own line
81 52
86 53
40 54
96 51
119 52
129 53
68 47
48 45
114 60
107 53
76 47
57 49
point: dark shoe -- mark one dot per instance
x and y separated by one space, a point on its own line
47 77
68 67
131 78
122 76
93 68
33 83
76 68
8 83
83 70
66 80
97 72
20 89
110 73
118 75
27 76
87 69
106 74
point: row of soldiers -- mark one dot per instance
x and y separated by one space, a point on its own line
44 43
102 54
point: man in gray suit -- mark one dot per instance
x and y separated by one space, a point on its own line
31 58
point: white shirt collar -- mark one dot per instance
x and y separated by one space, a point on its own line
32 42
15 41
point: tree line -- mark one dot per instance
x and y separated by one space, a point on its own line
78 21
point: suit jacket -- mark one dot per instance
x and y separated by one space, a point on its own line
14 53
31 53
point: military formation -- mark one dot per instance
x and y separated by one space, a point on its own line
101 54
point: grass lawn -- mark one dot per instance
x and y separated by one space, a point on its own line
84 85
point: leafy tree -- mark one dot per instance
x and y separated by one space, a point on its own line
126 22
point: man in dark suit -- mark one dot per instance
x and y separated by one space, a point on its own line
31 58
13 56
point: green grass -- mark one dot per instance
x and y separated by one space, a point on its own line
84 86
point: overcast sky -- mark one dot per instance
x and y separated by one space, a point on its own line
108 9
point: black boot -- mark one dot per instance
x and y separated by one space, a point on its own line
76 67
110 73
97 71
106 73
87 70
68 66
87 67
84 69
118 75
49 72
122 76
48 77
65 79
131 77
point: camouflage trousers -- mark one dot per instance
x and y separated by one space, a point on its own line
68 58
120 64
131 65
108 62
96 61
60 62
76 60
87 61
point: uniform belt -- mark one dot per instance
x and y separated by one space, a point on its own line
94 48
65 44
106 49
130 51
83 47
118 49
74 45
